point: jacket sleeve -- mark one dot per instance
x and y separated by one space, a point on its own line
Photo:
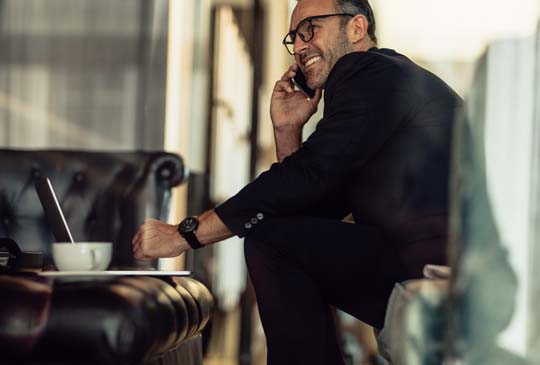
314 178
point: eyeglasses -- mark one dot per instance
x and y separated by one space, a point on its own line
305 30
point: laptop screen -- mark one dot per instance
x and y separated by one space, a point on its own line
53 212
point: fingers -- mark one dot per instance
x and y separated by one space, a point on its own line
290 73
142 253
137 237
145 234
139 255
136 243
148 225
285 83
284 86
314 101
154 239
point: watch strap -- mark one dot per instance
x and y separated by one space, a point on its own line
192 240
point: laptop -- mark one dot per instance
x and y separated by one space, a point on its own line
60 229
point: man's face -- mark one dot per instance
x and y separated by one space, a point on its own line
317 57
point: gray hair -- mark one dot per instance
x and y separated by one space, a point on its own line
358 7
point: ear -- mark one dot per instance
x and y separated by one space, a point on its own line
357 29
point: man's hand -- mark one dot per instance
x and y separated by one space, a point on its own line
291 109
156 239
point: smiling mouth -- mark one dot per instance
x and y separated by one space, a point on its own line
311 61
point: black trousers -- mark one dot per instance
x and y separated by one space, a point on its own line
300 267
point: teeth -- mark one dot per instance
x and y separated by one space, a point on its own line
312 61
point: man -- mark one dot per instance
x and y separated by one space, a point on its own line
381 152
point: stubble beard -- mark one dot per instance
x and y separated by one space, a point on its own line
317 80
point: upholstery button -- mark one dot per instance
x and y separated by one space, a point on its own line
248 225
79 177
260 216
36 174
165 173
6 221
254 221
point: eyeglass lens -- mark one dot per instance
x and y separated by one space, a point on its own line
304 31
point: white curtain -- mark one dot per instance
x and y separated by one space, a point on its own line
82 73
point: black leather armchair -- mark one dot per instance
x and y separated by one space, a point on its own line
128 320
105 196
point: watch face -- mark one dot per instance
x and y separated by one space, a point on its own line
189 224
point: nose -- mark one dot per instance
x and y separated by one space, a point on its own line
299 45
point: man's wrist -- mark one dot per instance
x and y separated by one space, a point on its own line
288 129
181 243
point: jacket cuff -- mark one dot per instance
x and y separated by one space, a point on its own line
240 223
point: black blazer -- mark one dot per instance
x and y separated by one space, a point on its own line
381 152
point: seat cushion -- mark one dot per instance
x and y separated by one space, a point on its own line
414 322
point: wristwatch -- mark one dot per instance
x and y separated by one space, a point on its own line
187 229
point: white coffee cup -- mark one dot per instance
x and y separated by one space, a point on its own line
82 256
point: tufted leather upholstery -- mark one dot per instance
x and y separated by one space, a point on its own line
126 320
25 308
105 196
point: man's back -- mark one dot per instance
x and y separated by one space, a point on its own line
398 139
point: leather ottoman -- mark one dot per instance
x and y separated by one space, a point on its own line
123 320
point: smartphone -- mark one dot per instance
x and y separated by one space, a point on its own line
300 81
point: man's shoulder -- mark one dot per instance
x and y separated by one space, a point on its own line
358 73
365 65
382 71
377 54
